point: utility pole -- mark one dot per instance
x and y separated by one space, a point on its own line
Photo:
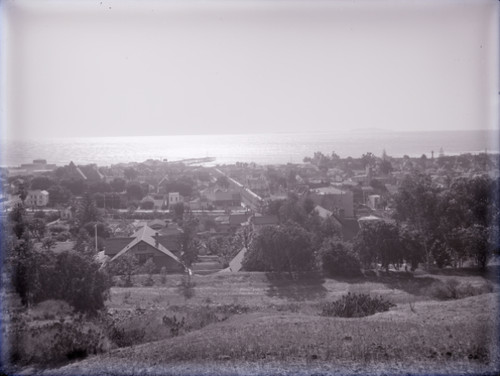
95 228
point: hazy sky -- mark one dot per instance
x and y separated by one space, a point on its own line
120 68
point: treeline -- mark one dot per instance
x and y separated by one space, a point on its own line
39 274
441 226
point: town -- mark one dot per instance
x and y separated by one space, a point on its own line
183 225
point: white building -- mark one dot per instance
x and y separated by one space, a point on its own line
37 198
373 201
174 198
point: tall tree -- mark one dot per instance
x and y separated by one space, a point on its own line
378 242
284 248
417 203
87 211
189 243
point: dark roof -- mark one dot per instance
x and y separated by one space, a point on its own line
265 220
146 234
238 219
157 223
113 246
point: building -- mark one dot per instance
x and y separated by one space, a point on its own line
39 166
223 199
146 243
37 198
174 198
338 201
373 202
259 221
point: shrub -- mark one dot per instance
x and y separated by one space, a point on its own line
186 287
163 275
338 259
356 305
453 289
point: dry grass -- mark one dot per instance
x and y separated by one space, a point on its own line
283 328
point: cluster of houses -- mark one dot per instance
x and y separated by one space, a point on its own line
346 195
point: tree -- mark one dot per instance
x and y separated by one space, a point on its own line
48 243
38 228
22 192
179 209
417 203
284 248
134 191
82 283
117 185
130 173
124 266
87 211
41 182
368 160
385 167
338 259
17 220
23 264
477 238
378 242
223 182
411 247
58 195
149 268
189 243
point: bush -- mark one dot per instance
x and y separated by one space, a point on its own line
338 259
186 287
356 305
453 289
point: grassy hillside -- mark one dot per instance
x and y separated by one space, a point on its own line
251 323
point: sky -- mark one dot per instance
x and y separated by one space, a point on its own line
78 68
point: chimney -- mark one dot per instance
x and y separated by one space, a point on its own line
157 241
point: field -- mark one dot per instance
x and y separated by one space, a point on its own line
255 323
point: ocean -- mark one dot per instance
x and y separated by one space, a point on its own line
258 148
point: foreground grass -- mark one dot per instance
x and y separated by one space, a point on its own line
280 330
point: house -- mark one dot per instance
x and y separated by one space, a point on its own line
157 202
347 227
174 198
258 222
339 201
237 220
92 173
223 198
39 166
36 198
373 201
74 172
146 243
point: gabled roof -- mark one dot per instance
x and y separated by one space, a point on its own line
146 234
322 212
236 263
76 170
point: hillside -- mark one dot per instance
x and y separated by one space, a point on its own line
276 327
